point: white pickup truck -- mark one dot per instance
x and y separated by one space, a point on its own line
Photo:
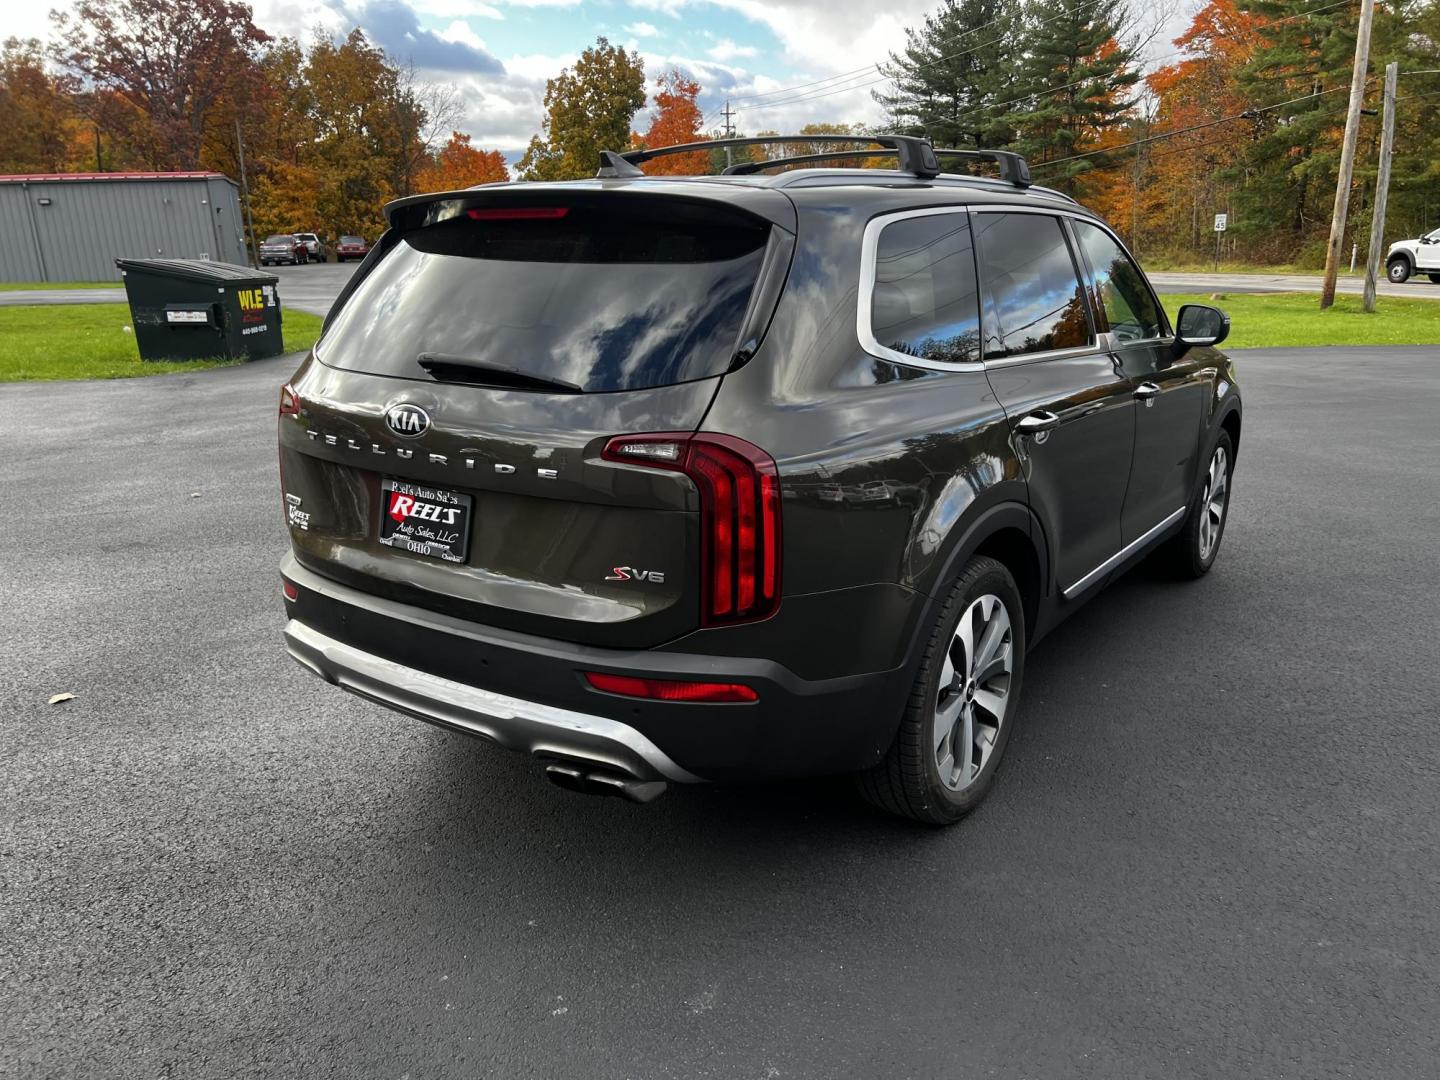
1408 257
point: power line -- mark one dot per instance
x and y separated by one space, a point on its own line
1248 114
845 75
815 96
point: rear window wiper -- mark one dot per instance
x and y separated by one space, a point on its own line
489 373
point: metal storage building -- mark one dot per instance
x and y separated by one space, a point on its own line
73 226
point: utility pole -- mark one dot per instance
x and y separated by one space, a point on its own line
729 132
1382 187
245 193
1347 153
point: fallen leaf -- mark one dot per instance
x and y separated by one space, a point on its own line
56 699
195 494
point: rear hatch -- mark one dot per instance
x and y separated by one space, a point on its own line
443 444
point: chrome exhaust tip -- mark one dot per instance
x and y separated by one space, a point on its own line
590 781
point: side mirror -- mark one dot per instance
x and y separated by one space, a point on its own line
1199 325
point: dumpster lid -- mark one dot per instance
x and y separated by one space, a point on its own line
191 269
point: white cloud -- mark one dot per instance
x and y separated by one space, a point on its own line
664 7
458 9
460 31
642 29
725 49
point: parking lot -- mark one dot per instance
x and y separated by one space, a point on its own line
1214 847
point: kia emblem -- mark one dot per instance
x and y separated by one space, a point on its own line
407 421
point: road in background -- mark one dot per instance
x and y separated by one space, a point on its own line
1419 288
1213 849
314 288
311 288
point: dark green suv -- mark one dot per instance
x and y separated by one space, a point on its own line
762 474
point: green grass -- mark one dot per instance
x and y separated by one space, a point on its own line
1160 262
1264 320
90 341
17 286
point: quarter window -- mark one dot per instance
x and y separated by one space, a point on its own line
923 301
1032 296
1130 307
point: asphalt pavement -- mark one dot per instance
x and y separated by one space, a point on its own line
1213 849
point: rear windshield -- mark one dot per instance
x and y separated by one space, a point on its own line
278 239
615 296
352 239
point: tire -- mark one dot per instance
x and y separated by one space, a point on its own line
920 777
1398 271
1193 551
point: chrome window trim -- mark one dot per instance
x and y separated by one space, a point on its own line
863 328
1105 341
1119 556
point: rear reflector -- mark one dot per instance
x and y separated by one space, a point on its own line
739 516
289 589
670 689
289 401
517 213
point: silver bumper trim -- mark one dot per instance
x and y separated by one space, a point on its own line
529 726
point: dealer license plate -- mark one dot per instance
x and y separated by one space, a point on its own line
425 520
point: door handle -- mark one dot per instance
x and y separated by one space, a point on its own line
1147 390
1037 422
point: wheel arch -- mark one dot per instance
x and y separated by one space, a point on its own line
1008 533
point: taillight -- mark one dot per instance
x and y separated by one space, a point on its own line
289 401
289 589
517 213
739 516
672 689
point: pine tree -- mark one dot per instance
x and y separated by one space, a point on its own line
956 73
1078 71
1303 66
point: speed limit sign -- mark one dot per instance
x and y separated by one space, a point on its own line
1221 221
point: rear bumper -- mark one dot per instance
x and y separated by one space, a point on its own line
529 693
543 731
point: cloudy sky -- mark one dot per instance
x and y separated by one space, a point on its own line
779 62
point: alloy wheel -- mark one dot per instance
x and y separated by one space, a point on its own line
1213 502
974 694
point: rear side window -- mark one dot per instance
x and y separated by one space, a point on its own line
1032 295
1130 308
923 302
630 294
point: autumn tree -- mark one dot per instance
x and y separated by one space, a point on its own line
157 69
675 120
459 165
41 121
587 109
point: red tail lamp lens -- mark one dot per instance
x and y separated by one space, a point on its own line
290 590
739 489
671 689
517 213
289 401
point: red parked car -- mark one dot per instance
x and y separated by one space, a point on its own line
351 247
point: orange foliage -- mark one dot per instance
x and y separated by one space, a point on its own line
675 120
1177 187
459 165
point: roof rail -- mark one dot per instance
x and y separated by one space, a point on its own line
916 155
1014 169
747 168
